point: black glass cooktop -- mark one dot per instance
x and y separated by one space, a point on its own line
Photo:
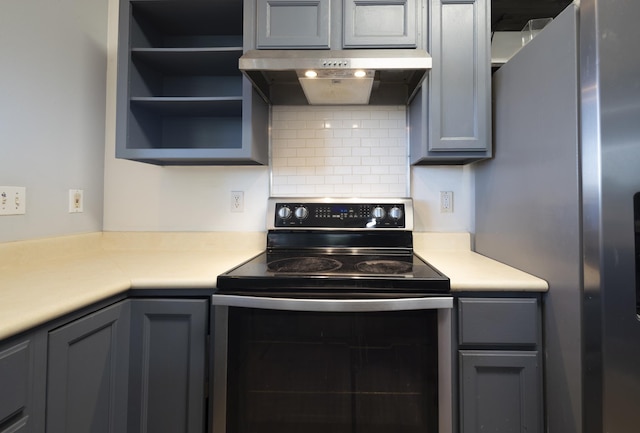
305 271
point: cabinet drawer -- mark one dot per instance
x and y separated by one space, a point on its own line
512 321
14 379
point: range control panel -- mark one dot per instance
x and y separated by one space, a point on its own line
341 215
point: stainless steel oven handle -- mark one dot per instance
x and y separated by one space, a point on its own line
333 305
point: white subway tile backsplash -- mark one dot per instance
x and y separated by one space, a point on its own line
339 151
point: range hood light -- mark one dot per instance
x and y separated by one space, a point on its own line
311 74
337 86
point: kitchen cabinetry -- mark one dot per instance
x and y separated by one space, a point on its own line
167 374
87 373
138 365
324 24
181 97
16 385
450 118
500 365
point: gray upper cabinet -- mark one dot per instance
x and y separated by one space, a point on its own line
450 119
292 24
380 23
181 97
336 24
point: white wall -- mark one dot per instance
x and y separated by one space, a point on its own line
52 111
426 184
144 197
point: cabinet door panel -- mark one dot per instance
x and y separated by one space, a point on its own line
461 83
500 392
380 23
14 379
87 373
167 376
293 24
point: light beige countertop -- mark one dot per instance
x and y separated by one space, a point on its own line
43 279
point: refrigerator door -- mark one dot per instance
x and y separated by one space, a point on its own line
610 131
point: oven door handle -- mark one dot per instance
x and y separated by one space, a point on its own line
334 305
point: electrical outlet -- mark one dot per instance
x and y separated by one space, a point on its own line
446 201
237 201
76 201
13 200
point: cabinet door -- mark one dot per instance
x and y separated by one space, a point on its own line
292 24
16 378
450 119
168 358
380 23
87 373
500 392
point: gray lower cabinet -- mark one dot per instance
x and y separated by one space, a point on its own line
138 365
167 376
500 365
87 373
16 385
450 118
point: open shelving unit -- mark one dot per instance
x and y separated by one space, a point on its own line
182 99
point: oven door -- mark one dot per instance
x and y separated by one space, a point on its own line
332 365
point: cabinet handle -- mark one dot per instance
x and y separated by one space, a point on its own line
333 305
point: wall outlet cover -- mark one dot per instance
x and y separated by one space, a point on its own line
13 200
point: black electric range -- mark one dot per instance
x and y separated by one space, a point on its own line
337 247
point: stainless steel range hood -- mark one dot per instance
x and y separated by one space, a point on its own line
387 77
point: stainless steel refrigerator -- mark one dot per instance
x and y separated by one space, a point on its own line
560 200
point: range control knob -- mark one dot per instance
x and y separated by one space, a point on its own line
301 212
378 212
284 212
395 213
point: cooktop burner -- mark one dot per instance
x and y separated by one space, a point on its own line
384 267
304 265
